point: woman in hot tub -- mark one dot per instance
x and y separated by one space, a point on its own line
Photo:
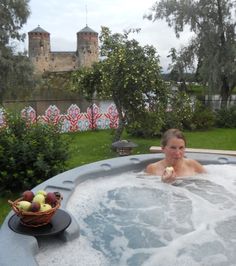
174 164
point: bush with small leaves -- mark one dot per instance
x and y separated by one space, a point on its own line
29 153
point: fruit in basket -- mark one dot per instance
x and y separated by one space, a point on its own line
28 195
43 192
45 207
35 206
37 212
23 205
40 198
51 198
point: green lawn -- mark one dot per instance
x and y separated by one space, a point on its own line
87 147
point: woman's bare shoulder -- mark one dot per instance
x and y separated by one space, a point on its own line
154 168
199 168
150 168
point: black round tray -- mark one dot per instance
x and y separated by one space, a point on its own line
59 222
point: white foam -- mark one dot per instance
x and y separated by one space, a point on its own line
133 219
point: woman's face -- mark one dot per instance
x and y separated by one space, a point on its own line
174 150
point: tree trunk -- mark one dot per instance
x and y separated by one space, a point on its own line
121 124
225 92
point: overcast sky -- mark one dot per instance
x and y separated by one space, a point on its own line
64 18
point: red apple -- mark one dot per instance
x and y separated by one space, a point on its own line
28 195
51 198
35 206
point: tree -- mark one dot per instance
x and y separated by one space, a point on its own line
15 68
214 44
87 81
129 74
180 66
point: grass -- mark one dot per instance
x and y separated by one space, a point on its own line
88 147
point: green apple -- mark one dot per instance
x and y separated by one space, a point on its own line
44 193
39 198
45 207
23 205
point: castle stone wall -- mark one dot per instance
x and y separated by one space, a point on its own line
63 61
45 60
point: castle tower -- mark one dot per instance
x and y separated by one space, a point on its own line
39 42
87 46
45 60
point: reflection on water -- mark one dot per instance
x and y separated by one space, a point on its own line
134 219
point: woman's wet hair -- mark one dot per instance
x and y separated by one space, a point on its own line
172 133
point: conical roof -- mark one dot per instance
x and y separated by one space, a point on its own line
87 29
39 29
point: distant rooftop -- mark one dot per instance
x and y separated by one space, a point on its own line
87 29
39 29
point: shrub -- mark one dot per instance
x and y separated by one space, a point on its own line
148 124
226 117
180 111
203 117
29 153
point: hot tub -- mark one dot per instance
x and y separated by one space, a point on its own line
18 249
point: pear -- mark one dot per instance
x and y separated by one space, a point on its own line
23 205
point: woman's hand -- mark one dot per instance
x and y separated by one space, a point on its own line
169 175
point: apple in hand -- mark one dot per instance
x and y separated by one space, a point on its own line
170 170
35 206
39 198
28 195
45 207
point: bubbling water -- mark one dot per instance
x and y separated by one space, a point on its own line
134 219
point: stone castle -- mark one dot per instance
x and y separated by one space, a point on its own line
46 60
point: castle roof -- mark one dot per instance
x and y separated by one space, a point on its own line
39 29
87 29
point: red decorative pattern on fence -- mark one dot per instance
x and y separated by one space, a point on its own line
73 120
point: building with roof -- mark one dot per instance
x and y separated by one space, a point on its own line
46 60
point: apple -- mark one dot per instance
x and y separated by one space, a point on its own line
28 195
35 206
43 192
45 207
51 198
170 170
23 205
39 198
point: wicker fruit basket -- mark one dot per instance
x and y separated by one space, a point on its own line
35 219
